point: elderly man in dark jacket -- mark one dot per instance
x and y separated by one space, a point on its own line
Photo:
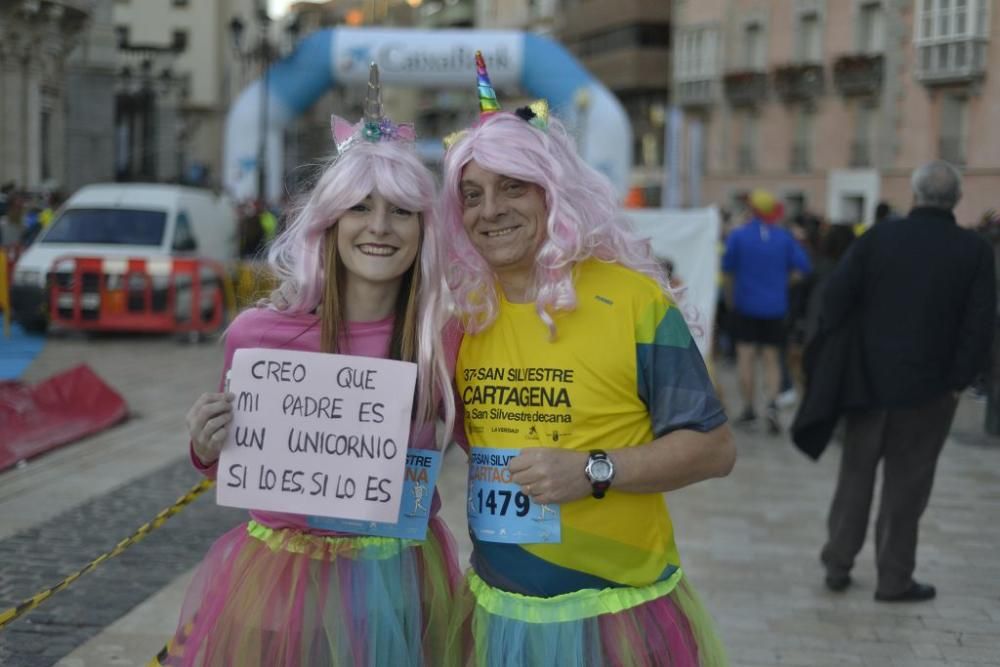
921 293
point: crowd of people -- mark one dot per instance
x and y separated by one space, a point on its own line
895 321
257 226
24 214
770 303
522 261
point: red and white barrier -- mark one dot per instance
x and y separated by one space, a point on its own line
169 295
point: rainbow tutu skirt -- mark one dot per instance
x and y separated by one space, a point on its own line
267 597
660 625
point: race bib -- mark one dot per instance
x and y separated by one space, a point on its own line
420 477
498 510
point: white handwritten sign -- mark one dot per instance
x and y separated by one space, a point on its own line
319 434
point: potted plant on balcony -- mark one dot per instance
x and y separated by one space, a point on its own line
745 86
798 81
858 73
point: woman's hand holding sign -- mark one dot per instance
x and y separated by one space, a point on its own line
208 423
551 476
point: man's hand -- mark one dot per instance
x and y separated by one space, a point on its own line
551 476
208 423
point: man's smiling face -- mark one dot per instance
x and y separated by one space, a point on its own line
504 217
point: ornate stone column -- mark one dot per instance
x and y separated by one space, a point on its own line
15 53
35 39
90 101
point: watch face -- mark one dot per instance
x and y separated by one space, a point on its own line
600 470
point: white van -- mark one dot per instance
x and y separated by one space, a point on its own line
122 220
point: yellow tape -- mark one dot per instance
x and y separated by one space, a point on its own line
145 529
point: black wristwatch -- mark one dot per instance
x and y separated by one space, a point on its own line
600 471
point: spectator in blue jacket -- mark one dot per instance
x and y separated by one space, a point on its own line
761 259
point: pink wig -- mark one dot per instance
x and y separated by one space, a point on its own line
584 217
296 256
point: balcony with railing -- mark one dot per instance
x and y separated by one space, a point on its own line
800 158
694 93
746 161
459 14
57 19
952 149
858 74
745 87
860 155
56 10
798 82
696 65
950 62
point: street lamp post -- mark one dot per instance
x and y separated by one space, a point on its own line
264 53
259 54
139 117
265 57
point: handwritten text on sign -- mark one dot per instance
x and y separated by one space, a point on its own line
320 434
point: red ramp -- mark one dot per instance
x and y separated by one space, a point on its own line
58 411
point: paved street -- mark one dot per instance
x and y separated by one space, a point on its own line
749 542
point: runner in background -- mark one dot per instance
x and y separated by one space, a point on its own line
761 259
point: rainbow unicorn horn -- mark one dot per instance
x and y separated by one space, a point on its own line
488 103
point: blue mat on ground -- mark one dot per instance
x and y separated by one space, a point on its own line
17 351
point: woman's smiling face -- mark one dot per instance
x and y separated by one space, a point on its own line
377 240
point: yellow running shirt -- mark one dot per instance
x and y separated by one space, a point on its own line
622 371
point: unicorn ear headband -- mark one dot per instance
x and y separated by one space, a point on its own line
535 114
375 126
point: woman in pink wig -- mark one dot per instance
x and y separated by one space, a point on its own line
580 377
281 590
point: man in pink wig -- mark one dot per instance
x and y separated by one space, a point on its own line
585 398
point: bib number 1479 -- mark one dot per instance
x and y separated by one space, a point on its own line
497 508
498 502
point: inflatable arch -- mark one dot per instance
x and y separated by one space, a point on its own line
431 58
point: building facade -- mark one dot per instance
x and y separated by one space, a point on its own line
179 70
832 103
90 86
626 45
538 16
36 40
